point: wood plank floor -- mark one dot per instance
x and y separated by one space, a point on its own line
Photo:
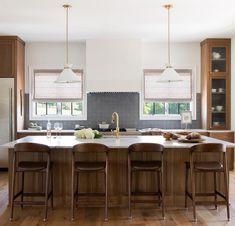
32 216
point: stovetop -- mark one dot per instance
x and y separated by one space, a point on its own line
109 129
104 130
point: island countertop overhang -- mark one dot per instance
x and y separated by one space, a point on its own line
112 142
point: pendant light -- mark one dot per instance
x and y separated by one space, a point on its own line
67 75
169 74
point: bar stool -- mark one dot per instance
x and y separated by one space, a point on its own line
205 167
21 166
152 166
89 167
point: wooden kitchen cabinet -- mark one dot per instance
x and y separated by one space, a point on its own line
12 65
7 61
216 83
10 51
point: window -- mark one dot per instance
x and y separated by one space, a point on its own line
50 100
161 108
159 101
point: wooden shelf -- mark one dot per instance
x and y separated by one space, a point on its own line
218 93
220 59
218 112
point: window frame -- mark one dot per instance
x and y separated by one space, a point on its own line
168 116
32 102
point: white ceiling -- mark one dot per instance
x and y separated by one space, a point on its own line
191 20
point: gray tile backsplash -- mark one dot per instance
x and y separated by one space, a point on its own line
100 107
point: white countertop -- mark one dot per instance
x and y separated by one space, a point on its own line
136 132
111 142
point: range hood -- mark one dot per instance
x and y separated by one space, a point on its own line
113 65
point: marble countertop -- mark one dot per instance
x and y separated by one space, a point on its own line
111 141
129 132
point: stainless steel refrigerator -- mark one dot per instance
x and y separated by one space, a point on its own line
6 117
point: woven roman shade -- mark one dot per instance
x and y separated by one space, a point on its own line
167 92
45 87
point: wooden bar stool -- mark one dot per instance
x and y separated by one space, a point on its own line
214 167
21 166
89 167
152 166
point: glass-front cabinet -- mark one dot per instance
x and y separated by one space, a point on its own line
216 82
218 103
218 60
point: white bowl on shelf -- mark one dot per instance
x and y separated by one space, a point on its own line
216 55
213 90
219 108
216 123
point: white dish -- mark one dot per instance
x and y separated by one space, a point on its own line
219 108
216 55
220 90
213 90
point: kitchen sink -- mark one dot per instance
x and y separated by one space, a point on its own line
121 137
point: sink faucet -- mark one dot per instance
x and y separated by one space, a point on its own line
117 123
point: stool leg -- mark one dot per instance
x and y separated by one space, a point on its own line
46 194
72 197
186 187
106 193
226 188
76 193
158 187
13 176
52 185
215 190
163 193
129 185
193 192
22 189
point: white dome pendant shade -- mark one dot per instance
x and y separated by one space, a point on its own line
67 75
169 74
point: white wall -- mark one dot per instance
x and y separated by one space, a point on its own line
233 83
183 55
138 56
50 55
113 65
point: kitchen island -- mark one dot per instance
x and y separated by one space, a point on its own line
175 155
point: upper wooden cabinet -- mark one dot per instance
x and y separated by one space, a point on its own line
216 83
10 48
12 65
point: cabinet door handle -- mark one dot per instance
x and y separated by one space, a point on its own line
21 103
11 114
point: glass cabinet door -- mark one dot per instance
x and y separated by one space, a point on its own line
218 102
218 59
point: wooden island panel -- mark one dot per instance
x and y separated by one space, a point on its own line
174 178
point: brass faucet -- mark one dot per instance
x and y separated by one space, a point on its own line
117 123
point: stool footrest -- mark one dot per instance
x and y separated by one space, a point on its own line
146 193
146 201
210 202
90 194
30 203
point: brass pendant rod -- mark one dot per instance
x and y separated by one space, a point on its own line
169 46
67 33
168 7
